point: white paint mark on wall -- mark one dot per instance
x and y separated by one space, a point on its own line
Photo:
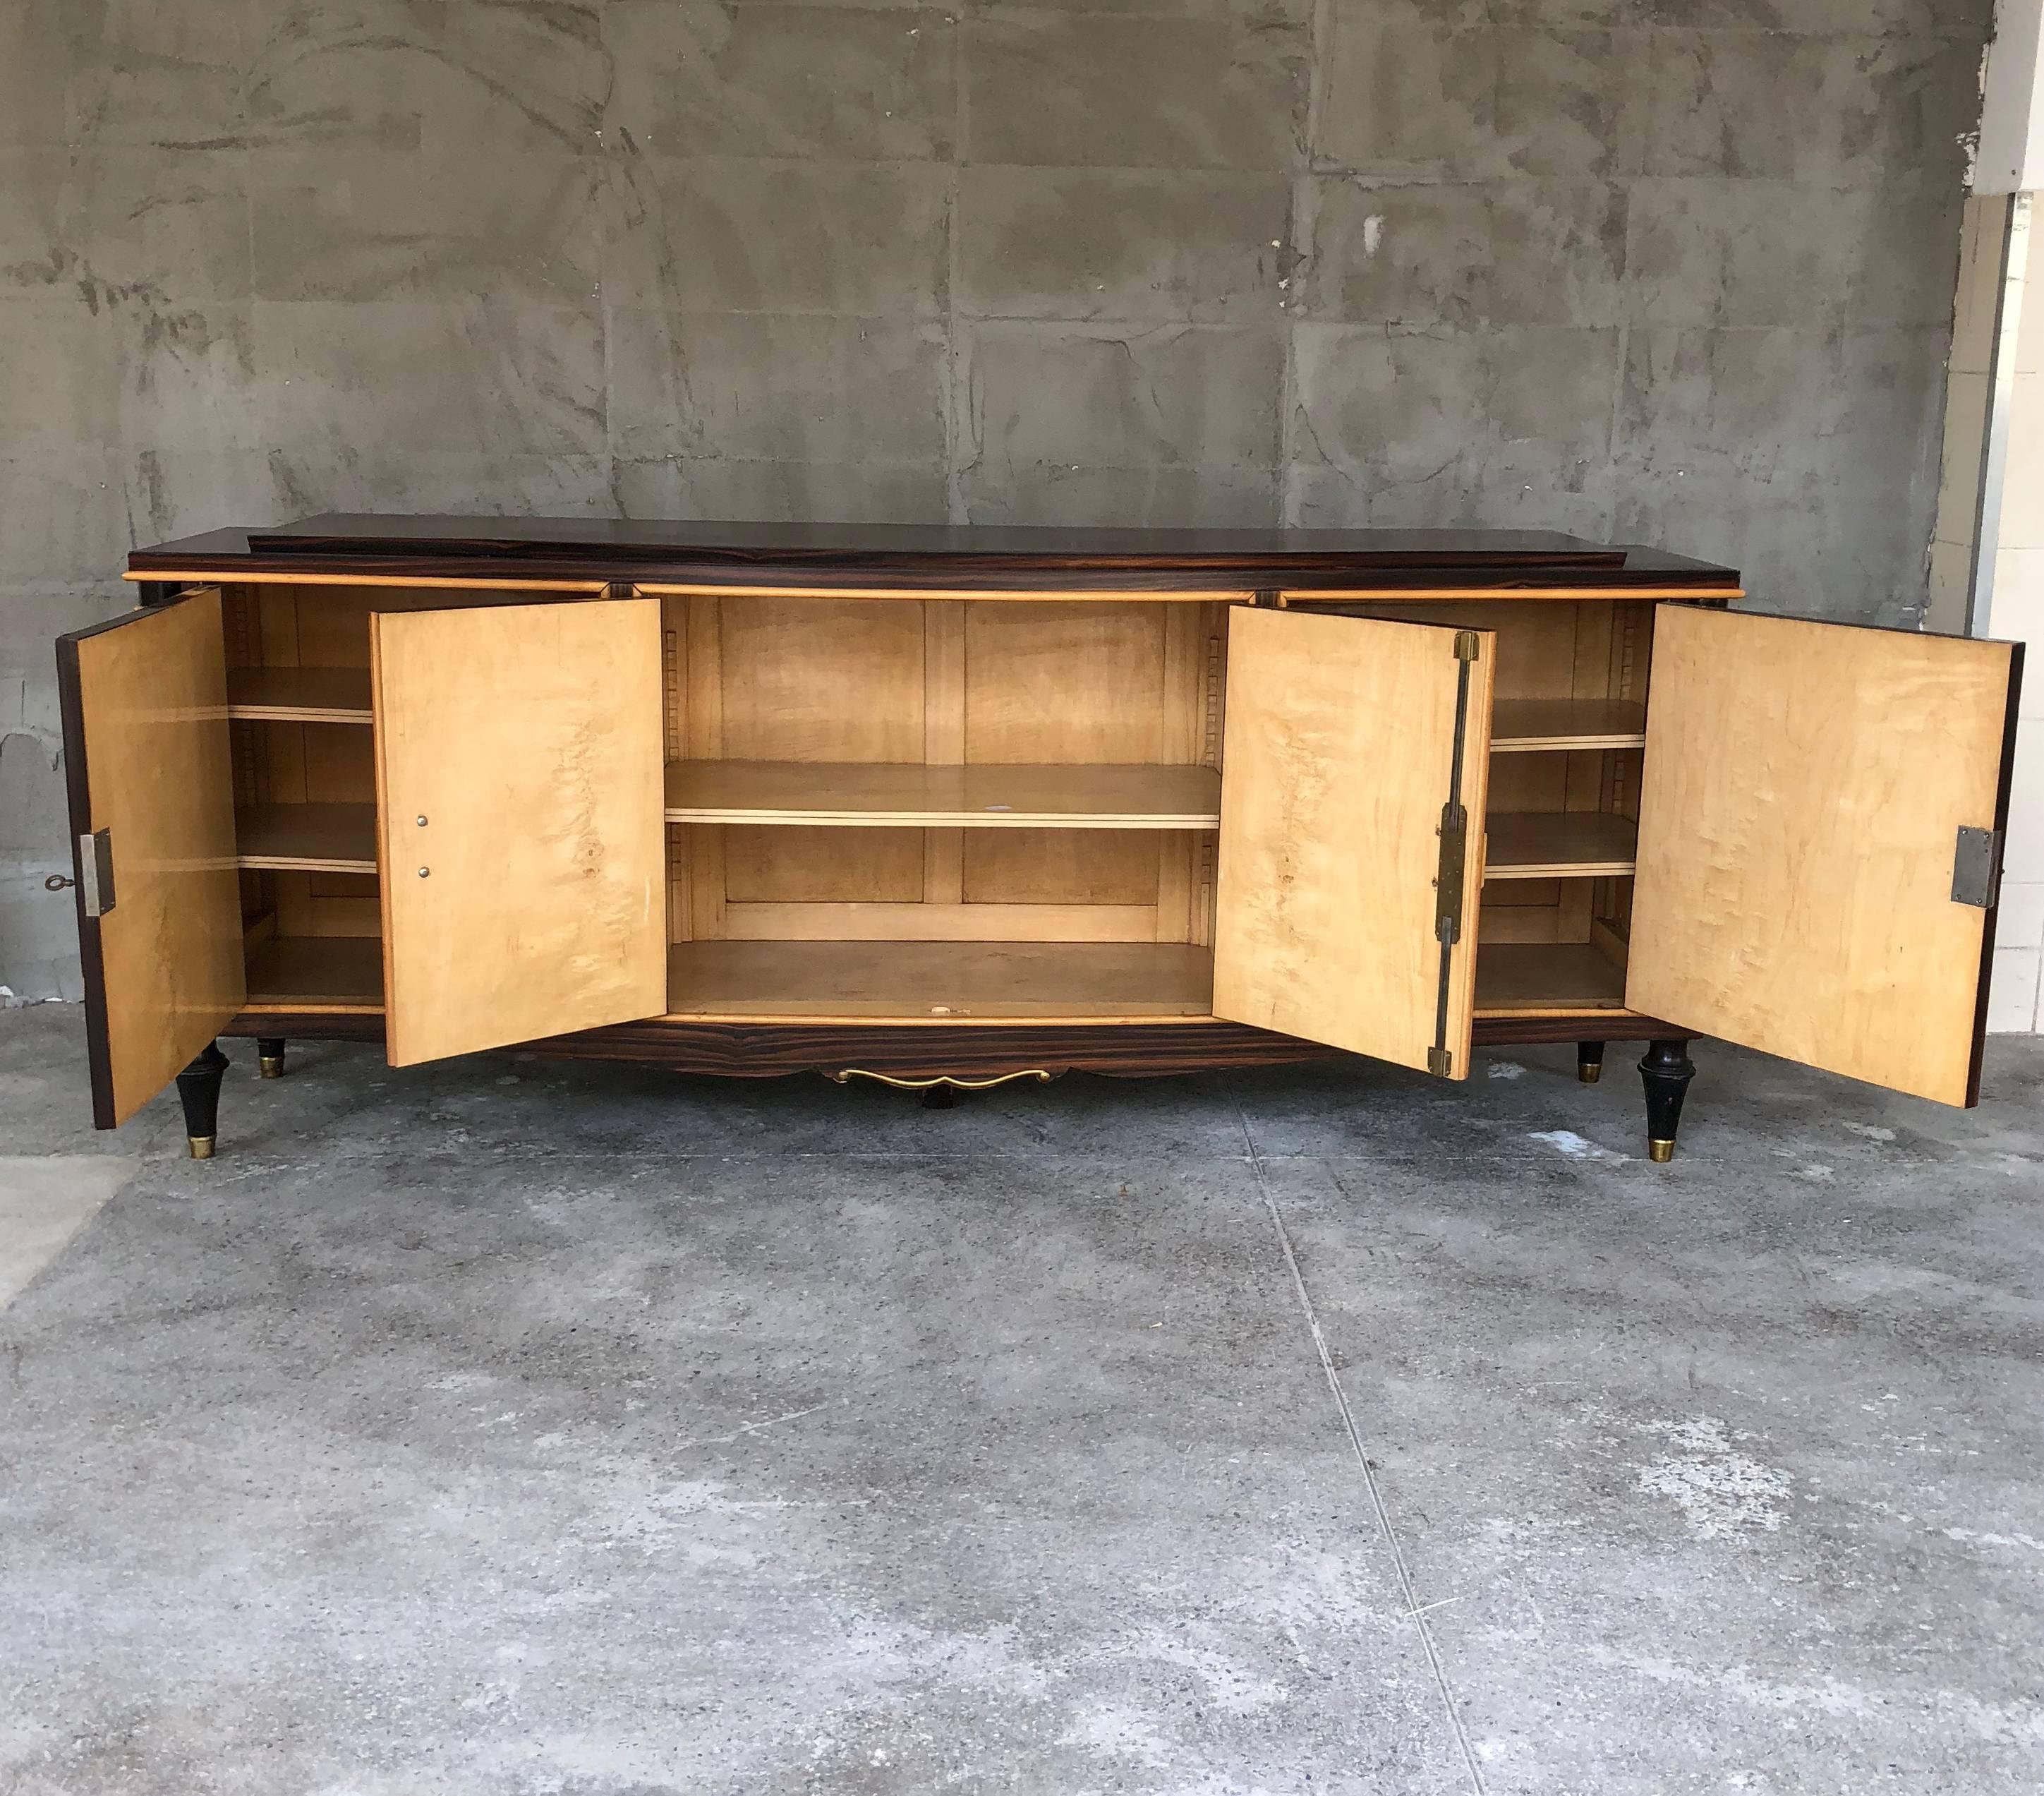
1721 1492
1570 1145
1372 233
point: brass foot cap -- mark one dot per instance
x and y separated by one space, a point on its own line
200 1146
1660 1152
1589 1072
271 1066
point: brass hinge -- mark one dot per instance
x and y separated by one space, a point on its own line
1448 880
1440 1063
1976 868
1466 644
95 872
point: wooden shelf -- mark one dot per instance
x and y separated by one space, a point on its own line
299 695
1524 726
1092 980
897 795
1557 845
315 973
1539 979
314 838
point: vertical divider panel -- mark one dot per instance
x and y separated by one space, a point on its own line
703 660
674 697
943 739
1183 738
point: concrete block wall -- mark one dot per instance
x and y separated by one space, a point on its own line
1653 269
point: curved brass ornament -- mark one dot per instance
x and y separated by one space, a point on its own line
942 1079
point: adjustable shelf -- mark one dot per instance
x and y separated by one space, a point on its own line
315 973
1519 979
896 795
1523 726
310 838
1558 844
299 695
817 980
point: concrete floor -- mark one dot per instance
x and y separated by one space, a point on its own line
514 1427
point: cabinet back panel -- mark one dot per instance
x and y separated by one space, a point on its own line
1060 684
793 865
819 681
327 904
1060 867
295 763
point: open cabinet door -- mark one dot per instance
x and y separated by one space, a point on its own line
1351 826
1820 817
150 773
519 813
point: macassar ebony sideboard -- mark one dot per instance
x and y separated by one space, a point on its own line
946 808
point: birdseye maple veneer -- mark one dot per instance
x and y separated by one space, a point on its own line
949 807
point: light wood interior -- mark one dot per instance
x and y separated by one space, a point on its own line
299 695
1013 773
1568 724
298 700
315 838
836 769
1557 845
938 982
1537 979
1524 726
318 973
913 795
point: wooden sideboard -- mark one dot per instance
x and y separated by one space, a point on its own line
949 807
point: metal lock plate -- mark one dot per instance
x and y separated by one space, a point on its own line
95 872
1976 868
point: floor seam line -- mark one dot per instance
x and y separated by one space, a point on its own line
1414 1613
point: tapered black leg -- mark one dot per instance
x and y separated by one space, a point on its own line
1589 1061
269 1056
198 1090
939 1096
1666 1071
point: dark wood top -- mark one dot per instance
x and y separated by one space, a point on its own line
910 555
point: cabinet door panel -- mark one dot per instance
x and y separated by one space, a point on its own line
149 763
1804 787
530 899
1346 738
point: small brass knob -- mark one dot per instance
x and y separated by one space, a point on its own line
425 873
420 821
